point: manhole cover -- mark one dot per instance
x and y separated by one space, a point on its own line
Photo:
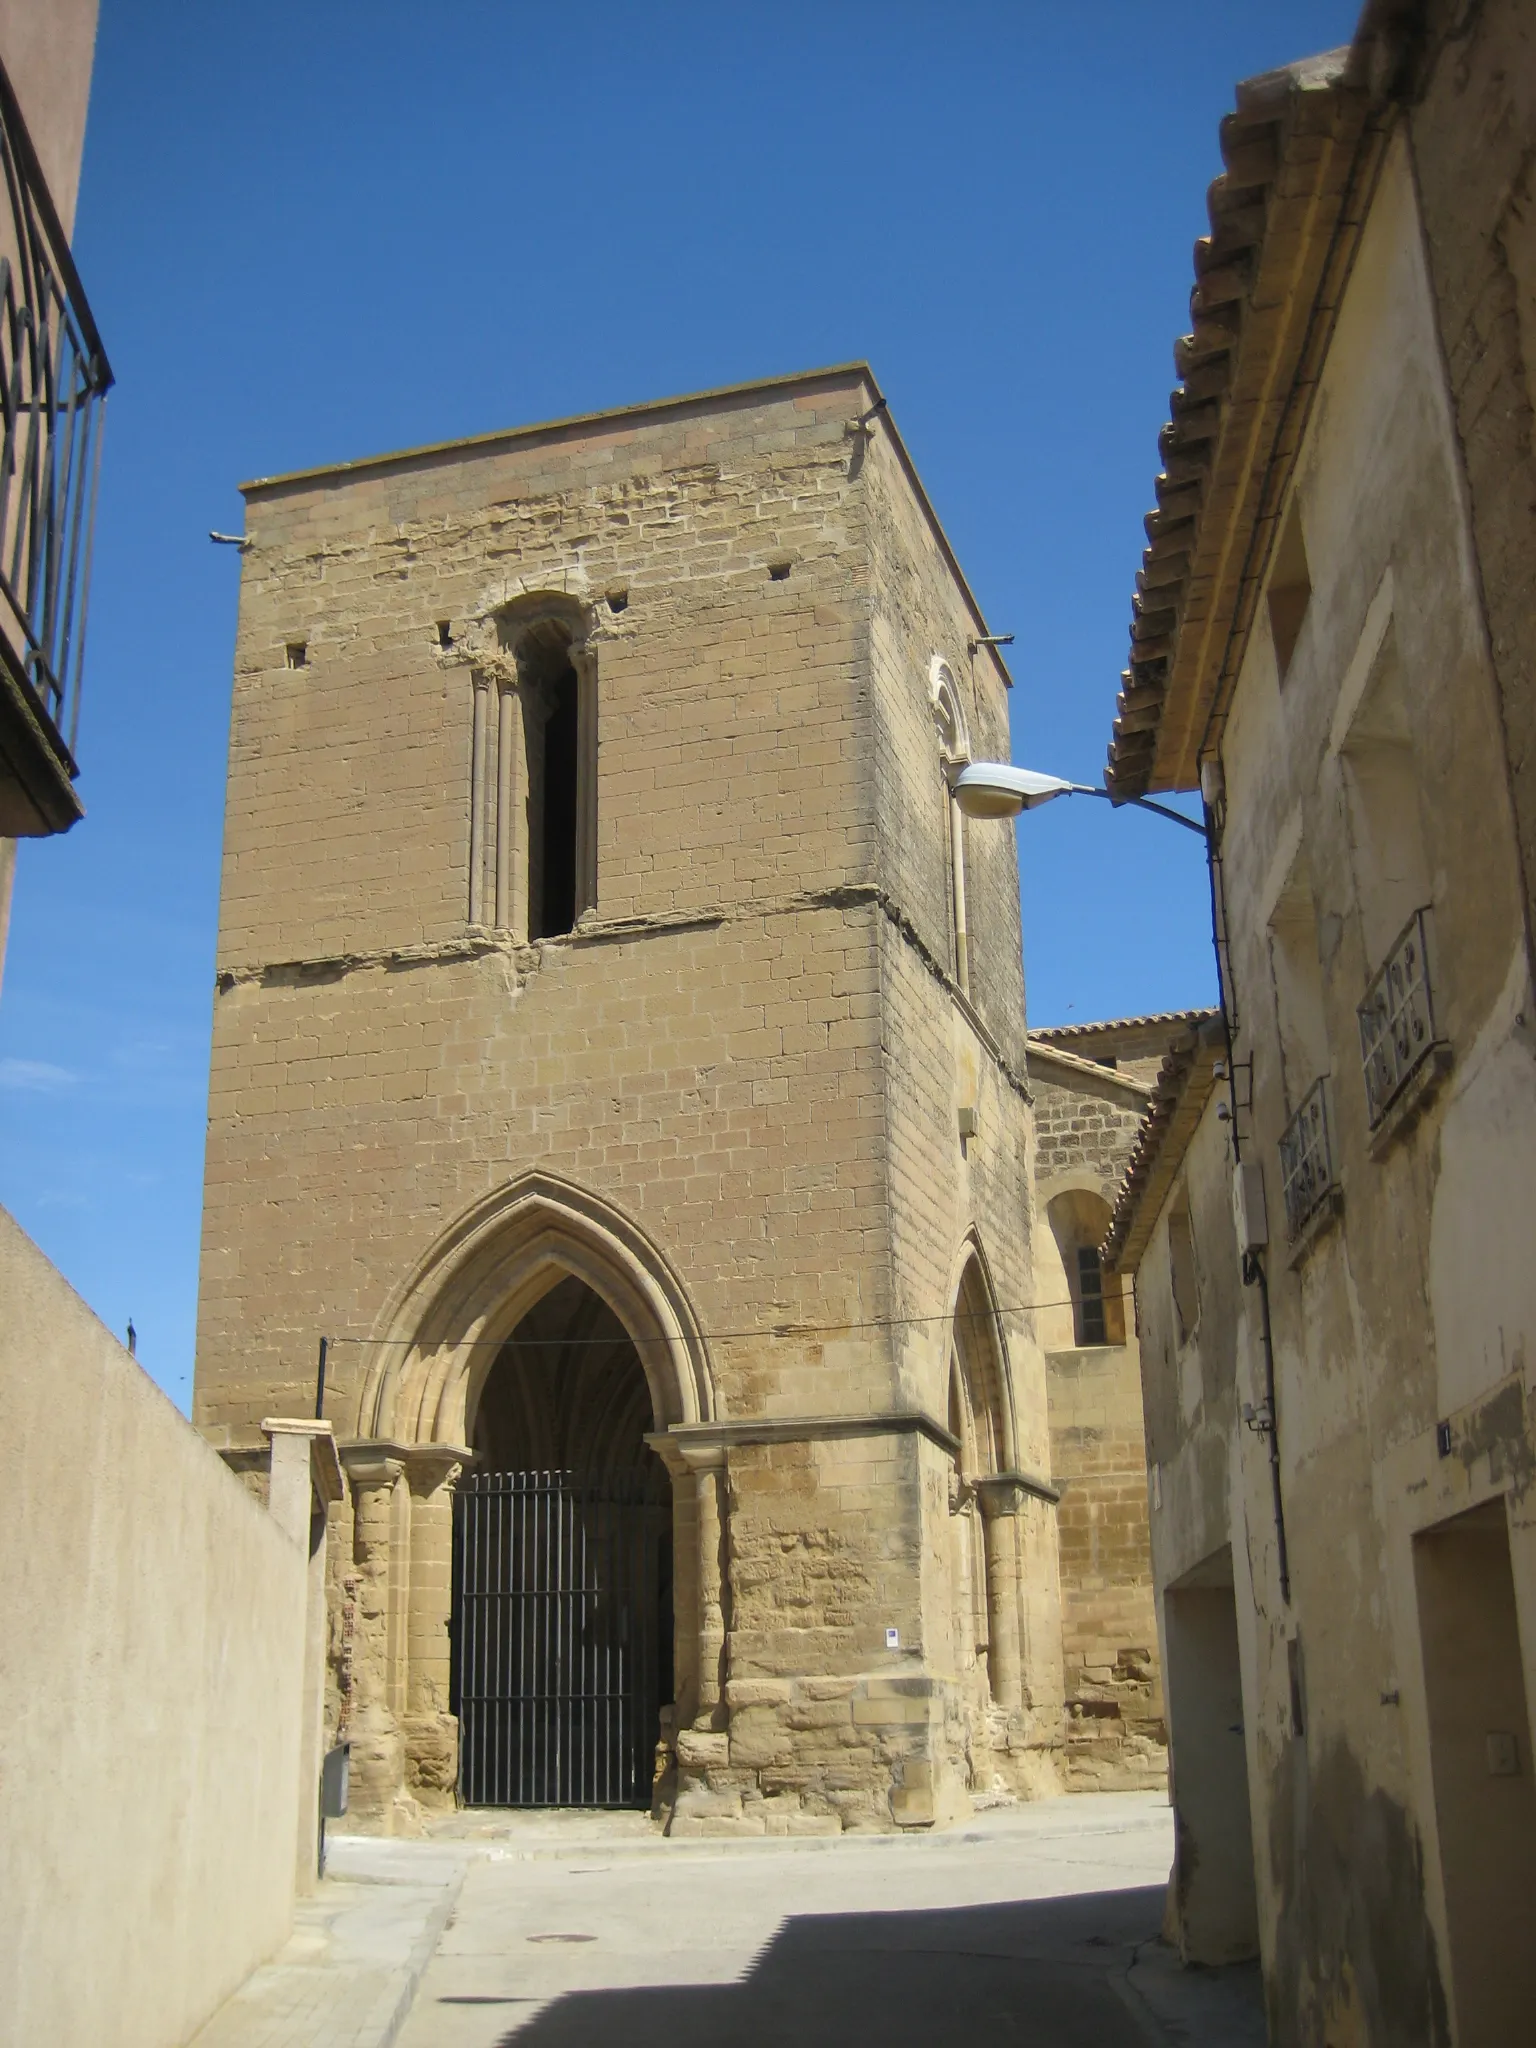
562 1937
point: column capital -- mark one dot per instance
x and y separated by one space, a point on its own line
377 1461
680 1456
1004 1493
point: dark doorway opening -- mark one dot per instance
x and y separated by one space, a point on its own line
1480 1758
1215 1899
562 1607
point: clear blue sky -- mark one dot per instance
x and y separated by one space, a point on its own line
315 229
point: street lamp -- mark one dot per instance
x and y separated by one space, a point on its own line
995 789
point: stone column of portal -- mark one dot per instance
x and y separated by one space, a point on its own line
685 1581
1000 1502
708 1462
380 1499
703 1792
431 1731
1021 1508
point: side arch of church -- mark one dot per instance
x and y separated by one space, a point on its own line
984 1354
1000 1518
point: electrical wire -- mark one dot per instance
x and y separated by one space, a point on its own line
976 1315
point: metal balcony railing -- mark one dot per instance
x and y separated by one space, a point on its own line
54 378
1397 1018
1306 1160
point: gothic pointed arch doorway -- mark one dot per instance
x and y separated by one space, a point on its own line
562 1566
976 1423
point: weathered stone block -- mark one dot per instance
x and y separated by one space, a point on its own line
698 1749
757 1692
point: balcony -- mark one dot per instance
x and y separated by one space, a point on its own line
54 378
1306 1161
1397 1020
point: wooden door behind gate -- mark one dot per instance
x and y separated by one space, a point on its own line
558 1584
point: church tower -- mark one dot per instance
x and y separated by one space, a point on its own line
619 1061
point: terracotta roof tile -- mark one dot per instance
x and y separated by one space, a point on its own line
1174 1019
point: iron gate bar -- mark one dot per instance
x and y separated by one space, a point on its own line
557 1636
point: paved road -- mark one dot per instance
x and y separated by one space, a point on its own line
1037 1925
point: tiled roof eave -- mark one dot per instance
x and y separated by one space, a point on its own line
1179 1096
1300 154
1050 1034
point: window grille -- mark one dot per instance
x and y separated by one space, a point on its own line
1397 1018
1306 1159
1092 1326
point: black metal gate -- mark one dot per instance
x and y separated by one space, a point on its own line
562 1592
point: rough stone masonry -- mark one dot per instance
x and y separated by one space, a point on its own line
592 916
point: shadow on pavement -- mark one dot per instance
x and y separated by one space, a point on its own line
1046 1973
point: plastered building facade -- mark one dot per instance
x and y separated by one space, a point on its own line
1328 1212
598 943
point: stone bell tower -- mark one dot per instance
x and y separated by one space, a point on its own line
619 1059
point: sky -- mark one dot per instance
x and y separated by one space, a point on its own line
319 229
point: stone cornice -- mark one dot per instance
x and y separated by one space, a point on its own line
797 1429
479 942
1004 1492
1073 1067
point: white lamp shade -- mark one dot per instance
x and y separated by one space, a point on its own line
993 789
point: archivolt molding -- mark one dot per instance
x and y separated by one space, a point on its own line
487 643
523 608
948 712
438 1336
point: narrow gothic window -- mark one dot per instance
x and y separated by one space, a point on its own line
1092 1328
552 717
533 776
556 690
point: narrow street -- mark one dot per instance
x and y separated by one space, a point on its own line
1035 1924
